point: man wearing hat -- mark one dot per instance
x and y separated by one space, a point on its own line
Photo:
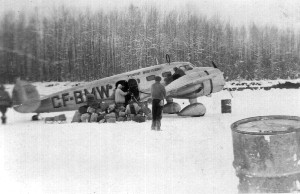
158 94
177 73
5 102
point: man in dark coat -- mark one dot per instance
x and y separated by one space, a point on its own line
178 73
5 102
158 94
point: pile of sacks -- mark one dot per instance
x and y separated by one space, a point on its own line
56 119
102 112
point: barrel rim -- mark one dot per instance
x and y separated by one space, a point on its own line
267 175
259 118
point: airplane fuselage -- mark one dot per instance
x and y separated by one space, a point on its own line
103 89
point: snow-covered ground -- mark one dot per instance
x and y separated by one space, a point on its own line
190 155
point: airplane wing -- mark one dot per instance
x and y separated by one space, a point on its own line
187 81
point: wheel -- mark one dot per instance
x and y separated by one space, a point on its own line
35 117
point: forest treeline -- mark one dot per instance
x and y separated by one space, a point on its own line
85 45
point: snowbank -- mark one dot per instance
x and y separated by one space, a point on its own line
190 155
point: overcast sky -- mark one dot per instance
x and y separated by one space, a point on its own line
280 12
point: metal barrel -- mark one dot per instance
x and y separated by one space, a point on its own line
226 106
267 154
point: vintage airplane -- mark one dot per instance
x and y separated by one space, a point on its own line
197 81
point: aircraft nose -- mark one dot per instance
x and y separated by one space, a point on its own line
218 83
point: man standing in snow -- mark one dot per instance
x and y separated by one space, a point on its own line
5 102
120 96
158 94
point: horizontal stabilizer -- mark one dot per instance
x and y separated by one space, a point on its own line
25 96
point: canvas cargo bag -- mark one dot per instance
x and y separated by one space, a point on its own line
146 110
122 119
111 120
83 109
149 116
94 117
122 114
102 121
85 117
110 115
100 117
60 118
49 119
139 118
131 116
104 106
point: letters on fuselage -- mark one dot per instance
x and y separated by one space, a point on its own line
78 96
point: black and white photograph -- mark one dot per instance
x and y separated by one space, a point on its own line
149 97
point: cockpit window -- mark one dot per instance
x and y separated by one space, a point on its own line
186 67
150 78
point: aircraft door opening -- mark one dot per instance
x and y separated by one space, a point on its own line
134 89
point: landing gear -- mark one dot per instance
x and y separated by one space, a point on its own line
35 117
195 109
171 107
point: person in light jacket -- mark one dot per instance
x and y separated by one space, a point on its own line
158 94
120 96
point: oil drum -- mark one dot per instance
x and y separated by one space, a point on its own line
226 106
267 154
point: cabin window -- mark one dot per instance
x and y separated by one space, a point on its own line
150 78
166 74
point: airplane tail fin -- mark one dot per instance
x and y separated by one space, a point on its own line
25 96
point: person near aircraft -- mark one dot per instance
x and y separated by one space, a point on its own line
132 108
135 112
5 102
90 108
158 94
146 110
133 91
168 79
120 96
178 73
